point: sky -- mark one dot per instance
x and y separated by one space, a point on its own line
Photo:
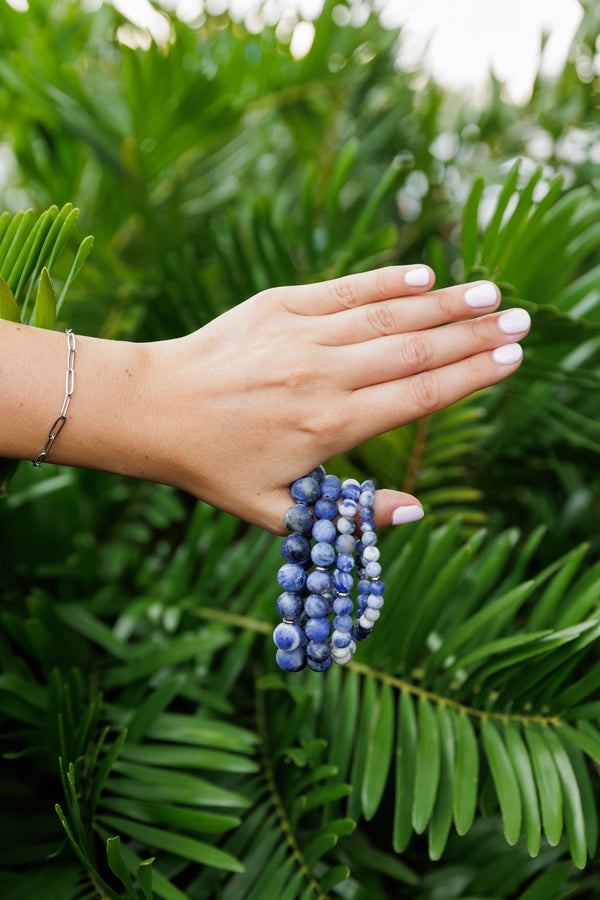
457 40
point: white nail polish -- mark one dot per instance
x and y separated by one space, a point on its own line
404 514
418 277
514 322
481 295
510 353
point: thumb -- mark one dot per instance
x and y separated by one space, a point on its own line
396 508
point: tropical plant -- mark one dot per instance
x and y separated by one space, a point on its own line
150 747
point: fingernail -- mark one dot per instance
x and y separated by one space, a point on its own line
481 295
418 277
515 321
404 514
510 353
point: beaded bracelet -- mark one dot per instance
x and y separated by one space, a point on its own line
318 580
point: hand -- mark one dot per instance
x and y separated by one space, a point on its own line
296 375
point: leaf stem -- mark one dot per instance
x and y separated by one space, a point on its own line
483 714
261 722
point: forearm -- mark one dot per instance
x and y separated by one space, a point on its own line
102 430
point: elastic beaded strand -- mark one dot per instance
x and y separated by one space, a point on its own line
318 580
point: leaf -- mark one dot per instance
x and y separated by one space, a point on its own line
406 755
574 818
521 763
117 864
505 782
85 248
143 874
506 193
44 314
439 828
548 784
379 753
189 848
427 770
467 774
470 227
8 305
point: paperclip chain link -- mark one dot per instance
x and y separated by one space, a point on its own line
69 386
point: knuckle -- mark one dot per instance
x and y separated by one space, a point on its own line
447 305
346 291
381 319
426 393
384 285
474 333
417 353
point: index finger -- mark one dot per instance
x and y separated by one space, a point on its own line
350 291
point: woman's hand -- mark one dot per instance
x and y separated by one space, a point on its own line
241 408
296 375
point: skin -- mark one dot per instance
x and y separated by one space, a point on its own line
236 411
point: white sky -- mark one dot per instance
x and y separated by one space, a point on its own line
459 40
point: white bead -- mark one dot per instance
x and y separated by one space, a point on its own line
374 601
365 623
371 614
342 658
370 554
348 481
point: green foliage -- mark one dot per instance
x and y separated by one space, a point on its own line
150 747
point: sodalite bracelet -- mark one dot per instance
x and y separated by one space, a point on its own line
317 579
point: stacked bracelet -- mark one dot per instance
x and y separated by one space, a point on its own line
318 579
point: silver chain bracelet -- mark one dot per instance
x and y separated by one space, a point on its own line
69 385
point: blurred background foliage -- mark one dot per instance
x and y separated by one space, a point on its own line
138 692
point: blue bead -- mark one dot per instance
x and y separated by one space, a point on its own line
305 490
318 650
287 637
318 582
291 578
342 606
298 519
296 549
343 623
368 539
363 586
291 660
318 666
348 508
345 543
326 509
375 602
362 601
366 512
377 588
324 530
367 525
318 474
317 606
373 569
341 639
368 485
367 498
345 562
350 491
322 554
343 581
330 487
360 634
290 605
317 629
